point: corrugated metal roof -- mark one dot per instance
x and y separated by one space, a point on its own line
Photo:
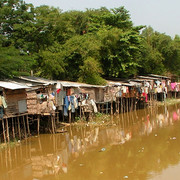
114 83
119 83
159 76
135 83
37 80
12 86
148 77
76 84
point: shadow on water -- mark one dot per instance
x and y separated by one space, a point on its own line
135 145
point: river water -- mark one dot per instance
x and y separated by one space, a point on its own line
139 145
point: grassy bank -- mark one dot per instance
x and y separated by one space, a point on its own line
169 102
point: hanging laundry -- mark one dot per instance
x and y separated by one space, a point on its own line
66 105
4 102
75 102
58 91
1 104
173 85
1 112
72 104
94 106
146 97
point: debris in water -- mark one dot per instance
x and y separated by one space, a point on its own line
173 138
102 150
81 165
155 135
101 172
125 177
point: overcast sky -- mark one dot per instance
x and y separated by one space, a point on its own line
162 15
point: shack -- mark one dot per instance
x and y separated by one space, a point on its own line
78 98
40 95
13 99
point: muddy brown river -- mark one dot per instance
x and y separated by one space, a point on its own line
141 145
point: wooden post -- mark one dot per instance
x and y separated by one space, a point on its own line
4 135
70 116
38 123
106 107
58 116
7 130
80 111
121 105
99 108
19 130
118 105
52 121
25 134
111 107
13 128
127 104
27 120
103 108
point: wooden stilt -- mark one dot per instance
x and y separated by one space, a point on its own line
27 122
38 124
111 107
13 131
127 105
4 135
70 116
25 134
7 130
80 112
118 105
52 121
103 108
19 130
99 108
121 105
124 105
58 117
107 108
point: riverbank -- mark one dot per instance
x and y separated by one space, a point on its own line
168 102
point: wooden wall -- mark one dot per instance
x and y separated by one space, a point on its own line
12 98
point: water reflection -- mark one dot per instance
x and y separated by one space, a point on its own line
136 145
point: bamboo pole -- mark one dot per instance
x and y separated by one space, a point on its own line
13 132
70 116
118 106
4 135
28 129
25 134
121 105
19 130
52 121
111 107
38 123
7 130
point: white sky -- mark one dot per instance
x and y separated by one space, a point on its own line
162 15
